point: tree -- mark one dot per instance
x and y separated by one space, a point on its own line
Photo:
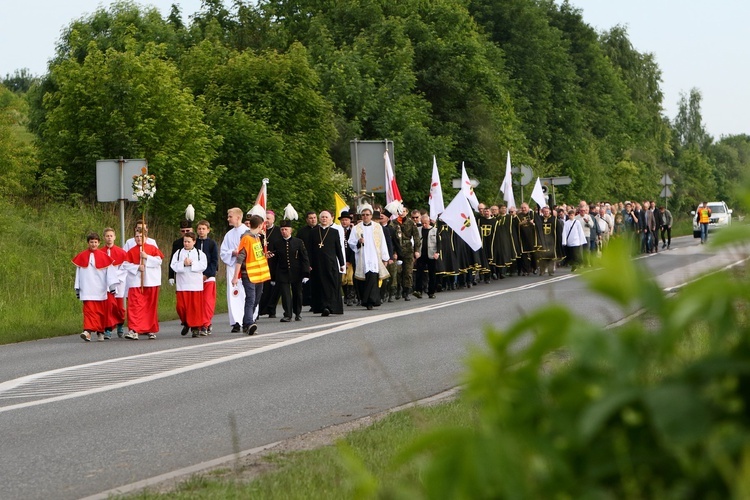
17 154
688 124
129 103
20 81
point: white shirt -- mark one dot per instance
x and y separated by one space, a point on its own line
152 273
93 283
573 234
189 278
230 244
373 249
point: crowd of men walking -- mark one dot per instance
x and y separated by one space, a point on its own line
364 259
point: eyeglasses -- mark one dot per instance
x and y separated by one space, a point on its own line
415 218
184 231
366 215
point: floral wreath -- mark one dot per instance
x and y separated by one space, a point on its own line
144 185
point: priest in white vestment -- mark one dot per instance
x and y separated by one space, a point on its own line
368 242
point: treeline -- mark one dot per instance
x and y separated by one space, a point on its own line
277 89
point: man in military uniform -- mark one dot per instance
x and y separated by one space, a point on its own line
390 286
409 240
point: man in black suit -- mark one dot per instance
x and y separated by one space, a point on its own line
291 269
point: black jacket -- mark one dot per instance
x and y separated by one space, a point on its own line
291 262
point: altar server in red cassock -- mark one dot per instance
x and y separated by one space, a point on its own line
143 263
95 277
116 306
188 263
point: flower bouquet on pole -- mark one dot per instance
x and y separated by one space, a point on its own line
144 188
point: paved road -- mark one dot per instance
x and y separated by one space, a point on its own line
81 418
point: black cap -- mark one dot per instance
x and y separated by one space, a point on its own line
285 223
386 213
185 224
345 215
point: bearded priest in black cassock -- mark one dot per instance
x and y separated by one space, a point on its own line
327 263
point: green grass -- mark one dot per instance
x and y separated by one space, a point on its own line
36 275
323 473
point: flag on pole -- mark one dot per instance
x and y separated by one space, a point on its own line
538 194
391 188
340 206
507 186
467 189
459 217
437 205
261 201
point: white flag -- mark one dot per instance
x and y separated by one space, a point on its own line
467 189
507 186
437 206
459 217
538 194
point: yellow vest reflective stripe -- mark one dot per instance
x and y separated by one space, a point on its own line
256 264
705 215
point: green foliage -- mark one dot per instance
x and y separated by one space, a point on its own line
275 125
17 154
568 409
129 104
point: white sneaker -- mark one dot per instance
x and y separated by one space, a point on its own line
131 335
99 337
86 336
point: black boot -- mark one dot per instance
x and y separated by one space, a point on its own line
406 294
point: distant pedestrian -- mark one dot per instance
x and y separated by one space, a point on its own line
188 264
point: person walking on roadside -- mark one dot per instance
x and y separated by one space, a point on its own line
703 214
665 218
573 240
228 254
292 269
188 264
252 268
95 279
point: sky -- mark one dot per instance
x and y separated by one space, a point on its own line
697 44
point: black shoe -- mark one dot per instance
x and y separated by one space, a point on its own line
417 294
431 295
235 328
298 318
245 328
185 330
285 320
271 316
369 307
252 329
326 311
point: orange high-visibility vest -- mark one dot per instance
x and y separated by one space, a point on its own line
255 262
704 215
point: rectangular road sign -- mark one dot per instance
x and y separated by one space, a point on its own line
113 185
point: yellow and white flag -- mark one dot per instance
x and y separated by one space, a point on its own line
460 217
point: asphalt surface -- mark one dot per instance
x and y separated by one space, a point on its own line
81 418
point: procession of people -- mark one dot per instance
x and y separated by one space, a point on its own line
363 258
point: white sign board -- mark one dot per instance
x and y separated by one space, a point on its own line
368 164
114 183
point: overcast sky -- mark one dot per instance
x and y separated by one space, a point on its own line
696 44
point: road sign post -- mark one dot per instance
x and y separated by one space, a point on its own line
665 191
113 183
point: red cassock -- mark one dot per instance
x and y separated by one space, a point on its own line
190 308
209 302
115 304
93 283
143 304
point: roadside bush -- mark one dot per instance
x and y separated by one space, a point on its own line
658 407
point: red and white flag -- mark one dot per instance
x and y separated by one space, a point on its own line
459 217
437 205
467 189
261 201
391 188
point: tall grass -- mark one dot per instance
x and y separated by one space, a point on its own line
37 299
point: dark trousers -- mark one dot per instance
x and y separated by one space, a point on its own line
269 298
291 298
252 299
426 266
666 231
